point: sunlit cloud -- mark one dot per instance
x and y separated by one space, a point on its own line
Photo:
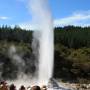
76 19
80 19
3 18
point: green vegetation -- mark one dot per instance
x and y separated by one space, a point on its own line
15 34
72 64
73 37
72 52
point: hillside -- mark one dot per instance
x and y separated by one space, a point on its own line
71 58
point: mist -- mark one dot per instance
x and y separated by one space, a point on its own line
42 19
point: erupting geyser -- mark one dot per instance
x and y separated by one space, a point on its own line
42 19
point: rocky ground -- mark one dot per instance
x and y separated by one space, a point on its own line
75 86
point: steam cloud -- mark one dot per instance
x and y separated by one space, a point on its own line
22 79
41 17
17 60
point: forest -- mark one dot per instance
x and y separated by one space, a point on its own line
71 52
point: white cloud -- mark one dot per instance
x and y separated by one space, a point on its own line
78 18
3 18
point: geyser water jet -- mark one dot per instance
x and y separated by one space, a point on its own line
43 20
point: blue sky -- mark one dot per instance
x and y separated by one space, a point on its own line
64 12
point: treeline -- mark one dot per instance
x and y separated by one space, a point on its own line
73 37
15 34
69 36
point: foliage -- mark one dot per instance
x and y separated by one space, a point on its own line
71 58
73 37
15 34
72 64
